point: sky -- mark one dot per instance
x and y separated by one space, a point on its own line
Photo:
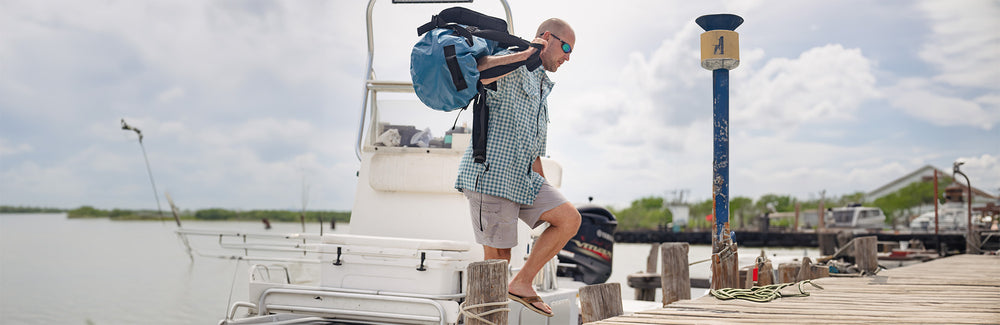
255 104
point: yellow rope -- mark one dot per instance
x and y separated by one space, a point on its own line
761 294
467 313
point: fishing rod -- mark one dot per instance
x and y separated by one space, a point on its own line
156 194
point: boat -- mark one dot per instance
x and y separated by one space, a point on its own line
410 241
953 216
855 216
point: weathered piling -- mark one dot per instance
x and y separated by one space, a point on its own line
788 272
675 280
765 275
600 301
866 253
487 285
645 284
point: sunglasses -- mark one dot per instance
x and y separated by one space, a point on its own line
565 46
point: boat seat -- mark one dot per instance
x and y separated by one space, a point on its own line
396 242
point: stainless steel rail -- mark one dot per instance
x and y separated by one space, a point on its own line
378 296
370 72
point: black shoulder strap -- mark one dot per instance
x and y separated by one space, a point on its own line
532 63
464 16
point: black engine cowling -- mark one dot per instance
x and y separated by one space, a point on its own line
590 251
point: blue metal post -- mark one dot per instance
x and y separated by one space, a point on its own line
720 52
720 160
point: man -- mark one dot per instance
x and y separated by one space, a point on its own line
511 184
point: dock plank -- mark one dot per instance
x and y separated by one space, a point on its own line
963 289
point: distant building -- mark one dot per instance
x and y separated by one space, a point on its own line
926 174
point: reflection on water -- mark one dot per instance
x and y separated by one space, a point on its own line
55 270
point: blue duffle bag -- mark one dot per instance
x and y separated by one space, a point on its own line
444 70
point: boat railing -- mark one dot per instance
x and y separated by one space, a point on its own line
292 247
257 275
436 301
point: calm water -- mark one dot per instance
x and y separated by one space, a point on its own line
55 270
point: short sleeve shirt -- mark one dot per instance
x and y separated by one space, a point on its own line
516 136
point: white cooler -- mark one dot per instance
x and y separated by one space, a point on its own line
429 267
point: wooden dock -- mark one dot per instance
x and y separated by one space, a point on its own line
962 289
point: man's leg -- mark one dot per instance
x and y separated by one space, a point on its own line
564 221
493 253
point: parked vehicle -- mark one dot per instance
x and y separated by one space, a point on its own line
855 216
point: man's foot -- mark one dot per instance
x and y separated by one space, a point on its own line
527 297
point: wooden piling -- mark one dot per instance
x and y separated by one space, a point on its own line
651 259
600 301
866 254
487 284
675 280
725 270
647 292
765 276
788 272
805 270
827 242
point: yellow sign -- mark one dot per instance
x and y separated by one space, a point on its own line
720 44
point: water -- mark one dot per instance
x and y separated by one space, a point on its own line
55 270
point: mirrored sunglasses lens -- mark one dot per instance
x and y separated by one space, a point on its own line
566 48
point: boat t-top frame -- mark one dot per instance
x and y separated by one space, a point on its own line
373 85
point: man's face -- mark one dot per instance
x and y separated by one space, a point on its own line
556 52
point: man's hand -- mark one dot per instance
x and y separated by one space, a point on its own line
538 40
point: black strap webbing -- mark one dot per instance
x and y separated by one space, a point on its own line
532 63
464 16
480 123
454 68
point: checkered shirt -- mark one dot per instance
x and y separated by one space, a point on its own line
518 125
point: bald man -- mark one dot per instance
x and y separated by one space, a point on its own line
511 184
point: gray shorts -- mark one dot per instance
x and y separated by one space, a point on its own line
496 215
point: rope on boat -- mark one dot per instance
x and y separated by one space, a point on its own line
467 313
762 294
701 261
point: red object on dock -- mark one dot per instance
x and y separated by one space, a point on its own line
755 274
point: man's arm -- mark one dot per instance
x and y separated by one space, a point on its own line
537 166
490 61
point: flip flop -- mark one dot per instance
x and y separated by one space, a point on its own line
527 302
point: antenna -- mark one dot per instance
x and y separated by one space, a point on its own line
156 194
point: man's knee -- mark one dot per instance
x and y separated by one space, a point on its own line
565 215
492 253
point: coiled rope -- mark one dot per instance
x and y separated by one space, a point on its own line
762 294
468 314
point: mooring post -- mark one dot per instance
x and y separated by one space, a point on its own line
645 284
675 279
866 253
488 289
600 301
720 52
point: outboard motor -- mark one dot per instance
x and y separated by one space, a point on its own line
590 251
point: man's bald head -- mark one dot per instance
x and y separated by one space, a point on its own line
554 25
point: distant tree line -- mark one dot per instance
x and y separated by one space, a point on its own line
210 214
20 209
651 212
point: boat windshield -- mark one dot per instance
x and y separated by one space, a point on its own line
843 216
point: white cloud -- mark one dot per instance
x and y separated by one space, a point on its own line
964 43
927 101
964 46
823 83
9 149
